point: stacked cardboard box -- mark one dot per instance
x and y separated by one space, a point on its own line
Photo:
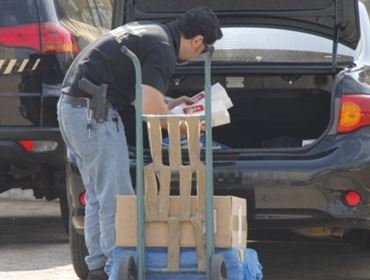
230 223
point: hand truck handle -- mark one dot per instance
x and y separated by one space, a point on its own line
139 165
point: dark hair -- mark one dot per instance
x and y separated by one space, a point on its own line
200 21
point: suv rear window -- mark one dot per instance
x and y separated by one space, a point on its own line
92 12
17 12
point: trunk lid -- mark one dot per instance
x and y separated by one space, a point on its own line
329 18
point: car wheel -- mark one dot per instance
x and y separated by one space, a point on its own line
78 253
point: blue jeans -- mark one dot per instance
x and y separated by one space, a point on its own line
102 159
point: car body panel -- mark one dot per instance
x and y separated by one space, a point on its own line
306 192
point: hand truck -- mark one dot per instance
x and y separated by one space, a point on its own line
212 265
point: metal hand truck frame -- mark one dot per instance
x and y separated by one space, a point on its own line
214 264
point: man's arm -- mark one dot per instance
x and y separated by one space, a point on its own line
153 103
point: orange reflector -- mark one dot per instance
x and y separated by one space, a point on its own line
352 198
351 114
57 39
82 199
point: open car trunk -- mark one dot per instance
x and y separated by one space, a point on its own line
269 111
275 118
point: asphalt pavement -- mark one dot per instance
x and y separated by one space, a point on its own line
34 246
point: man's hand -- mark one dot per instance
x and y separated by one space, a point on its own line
153 104
177 101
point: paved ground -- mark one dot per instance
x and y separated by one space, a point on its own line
33 246
17 194
287 259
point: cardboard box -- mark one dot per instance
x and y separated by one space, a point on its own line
230 216
220 105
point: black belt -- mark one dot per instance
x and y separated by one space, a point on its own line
80 101
76 101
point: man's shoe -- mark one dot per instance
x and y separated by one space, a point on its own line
97 274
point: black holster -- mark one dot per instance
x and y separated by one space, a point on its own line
98 102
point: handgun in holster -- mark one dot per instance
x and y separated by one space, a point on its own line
98 103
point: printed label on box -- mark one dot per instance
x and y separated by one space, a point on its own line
196 98
193 109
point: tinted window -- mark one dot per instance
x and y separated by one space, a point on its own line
92 12
16 12
79 10
46 10
104 8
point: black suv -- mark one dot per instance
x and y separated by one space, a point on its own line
298 73
38 41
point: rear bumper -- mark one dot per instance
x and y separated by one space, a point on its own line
296 190
306 191
12 153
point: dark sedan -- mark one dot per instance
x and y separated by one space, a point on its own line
298 145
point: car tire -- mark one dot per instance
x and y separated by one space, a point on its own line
127 268
218 268
78 252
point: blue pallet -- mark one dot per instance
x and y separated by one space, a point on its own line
247 269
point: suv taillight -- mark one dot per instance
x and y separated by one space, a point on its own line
354 112
54 38
38 146
27 145
26 36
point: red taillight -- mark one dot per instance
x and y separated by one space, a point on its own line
82 199
352 198
38 146
354 112
27 145
56 39
26 36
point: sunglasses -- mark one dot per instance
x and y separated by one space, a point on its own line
205 49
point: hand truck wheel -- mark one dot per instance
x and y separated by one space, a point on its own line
128 270
218 268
